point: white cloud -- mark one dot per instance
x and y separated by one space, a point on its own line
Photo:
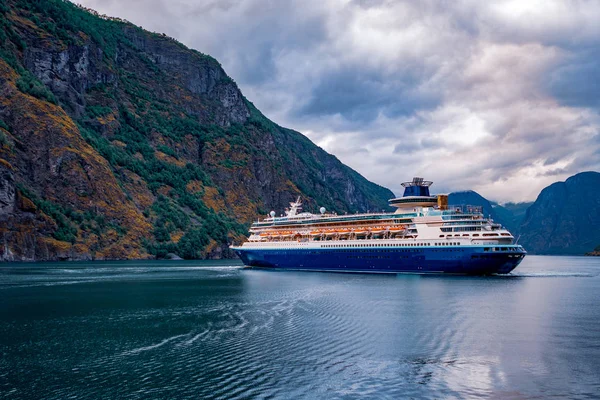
470 94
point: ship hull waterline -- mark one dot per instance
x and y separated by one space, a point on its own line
472 260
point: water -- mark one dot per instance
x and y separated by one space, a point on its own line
214 330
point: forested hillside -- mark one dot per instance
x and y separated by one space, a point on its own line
120 143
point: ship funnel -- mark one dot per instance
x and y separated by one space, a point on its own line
418 187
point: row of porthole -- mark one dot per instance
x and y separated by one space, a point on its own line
393 245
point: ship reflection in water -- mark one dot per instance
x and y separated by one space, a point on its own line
212 330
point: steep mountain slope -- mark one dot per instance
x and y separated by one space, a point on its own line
565 218
511 215
120 143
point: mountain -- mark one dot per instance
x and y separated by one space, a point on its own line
120 143
595 252
509 215
565 218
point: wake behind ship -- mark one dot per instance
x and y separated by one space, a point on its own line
424 235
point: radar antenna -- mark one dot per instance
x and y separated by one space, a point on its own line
294 207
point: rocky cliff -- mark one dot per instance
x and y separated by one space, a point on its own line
595 252
565 218
120 143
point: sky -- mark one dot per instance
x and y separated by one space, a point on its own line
501 97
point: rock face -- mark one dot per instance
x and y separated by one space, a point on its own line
120 143
596 252
7 190
565 218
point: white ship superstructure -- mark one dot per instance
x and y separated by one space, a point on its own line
423 235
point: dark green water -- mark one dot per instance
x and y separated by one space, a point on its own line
212 330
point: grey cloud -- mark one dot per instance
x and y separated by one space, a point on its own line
360 95
555 172
576 82
407 146
468 94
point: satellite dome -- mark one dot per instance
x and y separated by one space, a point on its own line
322 210
272 214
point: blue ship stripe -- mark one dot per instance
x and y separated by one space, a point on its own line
444 259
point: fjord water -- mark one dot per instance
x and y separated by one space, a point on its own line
214 330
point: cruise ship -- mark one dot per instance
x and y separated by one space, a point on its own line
424 235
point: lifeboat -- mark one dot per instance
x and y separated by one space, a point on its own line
377 230
316 233
344 232
396 229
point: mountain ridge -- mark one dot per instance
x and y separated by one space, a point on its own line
118 143
562 220
565 217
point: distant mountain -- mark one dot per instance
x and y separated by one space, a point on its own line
565 218
595 252
469 197
120 143
509 215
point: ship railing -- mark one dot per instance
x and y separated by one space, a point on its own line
332 218
466 208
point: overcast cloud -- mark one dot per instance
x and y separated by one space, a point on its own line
499 97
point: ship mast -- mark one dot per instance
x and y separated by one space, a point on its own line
294 207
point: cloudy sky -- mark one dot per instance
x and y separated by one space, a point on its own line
501 97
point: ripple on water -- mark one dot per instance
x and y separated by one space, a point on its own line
228 333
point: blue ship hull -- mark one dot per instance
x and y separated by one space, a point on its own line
466 260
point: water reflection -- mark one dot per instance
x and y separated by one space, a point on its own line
215 330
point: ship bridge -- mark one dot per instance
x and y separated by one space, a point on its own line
416 195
